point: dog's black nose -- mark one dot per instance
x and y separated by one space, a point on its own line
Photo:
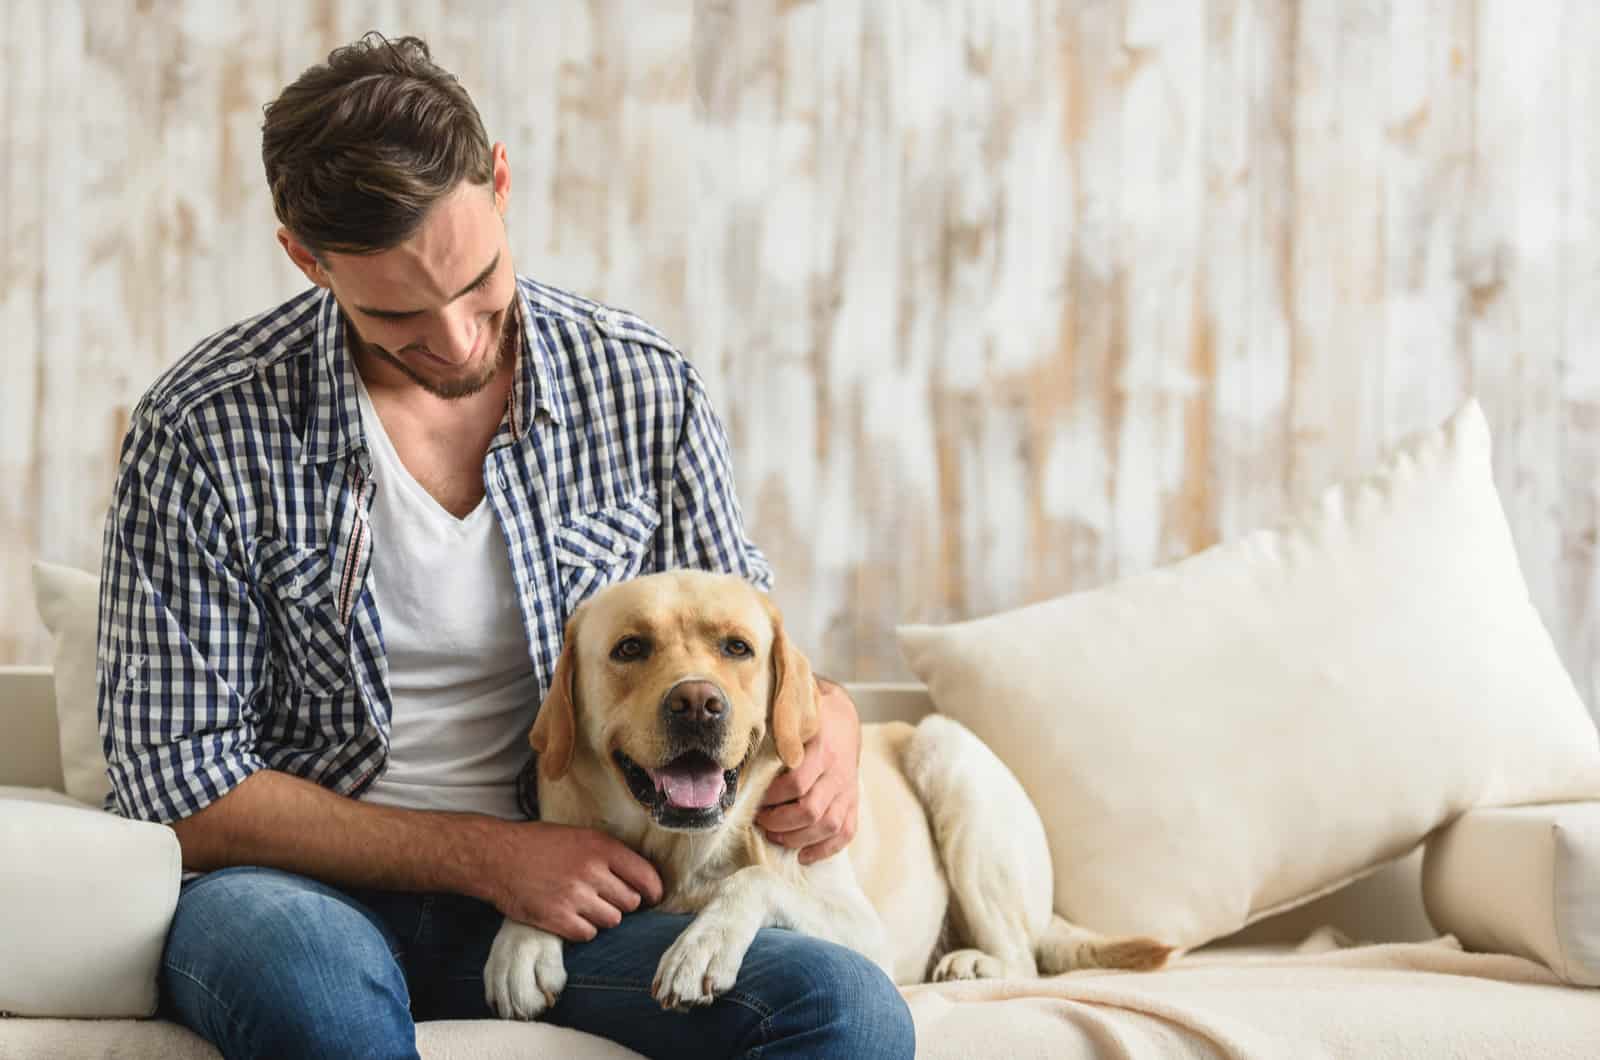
696 703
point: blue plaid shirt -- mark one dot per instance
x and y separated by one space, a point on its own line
237 625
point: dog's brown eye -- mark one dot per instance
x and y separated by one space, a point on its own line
630 649
737 648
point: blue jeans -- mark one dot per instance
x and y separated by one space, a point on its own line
266 963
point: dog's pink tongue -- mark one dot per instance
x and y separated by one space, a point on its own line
691 787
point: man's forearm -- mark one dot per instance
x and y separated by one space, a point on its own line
285 822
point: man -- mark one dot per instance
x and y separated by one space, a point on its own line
345 538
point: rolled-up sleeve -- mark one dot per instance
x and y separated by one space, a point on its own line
181 640
708 526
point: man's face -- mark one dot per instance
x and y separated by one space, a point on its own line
433 310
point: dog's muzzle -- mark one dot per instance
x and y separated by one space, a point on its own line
690 790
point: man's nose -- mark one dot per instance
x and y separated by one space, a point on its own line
695 703
460 335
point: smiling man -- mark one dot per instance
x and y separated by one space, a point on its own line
346 536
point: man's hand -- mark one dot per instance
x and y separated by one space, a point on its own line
812 808
571 882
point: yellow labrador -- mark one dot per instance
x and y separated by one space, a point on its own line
676 701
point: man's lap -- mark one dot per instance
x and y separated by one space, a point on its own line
440 942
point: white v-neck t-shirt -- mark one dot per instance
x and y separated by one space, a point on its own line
461 682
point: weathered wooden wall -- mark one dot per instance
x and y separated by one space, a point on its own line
998 299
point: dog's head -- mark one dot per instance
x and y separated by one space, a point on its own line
670 684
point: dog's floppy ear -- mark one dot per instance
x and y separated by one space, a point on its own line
556 729
794 695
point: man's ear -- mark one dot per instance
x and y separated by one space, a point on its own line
303 259
500 182
555 730
794 695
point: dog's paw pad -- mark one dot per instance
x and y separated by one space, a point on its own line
968 964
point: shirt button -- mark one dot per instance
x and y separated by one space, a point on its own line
241 367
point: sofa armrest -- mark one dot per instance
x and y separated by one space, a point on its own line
1521 880
86 899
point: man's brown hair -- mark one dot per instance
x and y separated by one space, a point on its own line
359 148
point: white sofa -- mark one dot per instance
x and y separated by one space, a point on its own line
1107 1014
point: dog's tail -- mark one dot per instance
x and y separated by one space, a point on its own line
1066 947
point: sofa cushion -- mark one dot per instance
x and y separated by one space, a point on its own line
161 1040
69 607
85 902
1523 880
1230 736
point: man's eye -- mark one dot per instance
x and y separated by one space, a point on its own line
630 649
737 648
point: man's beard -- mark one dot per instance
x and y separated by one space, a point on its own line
465 387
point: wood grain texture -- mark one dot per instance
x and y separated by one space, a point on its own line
997 300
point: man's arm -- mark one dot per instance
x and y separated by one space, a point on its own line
182 641
283 821
568 881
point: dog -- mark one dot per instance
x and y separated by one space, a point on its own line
676 700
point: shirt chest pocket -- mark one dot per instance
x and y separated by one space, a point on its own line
603 546
300 588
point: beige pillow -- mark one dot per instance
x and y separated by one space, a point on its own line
1523 880
1233 735
69 602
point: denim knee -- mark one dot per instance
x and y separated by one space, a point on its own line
841 1003
266 963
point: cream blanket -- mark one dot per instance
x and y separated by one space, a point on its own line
1411 1000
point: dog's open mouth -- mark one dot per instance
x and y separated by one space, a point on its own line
691 791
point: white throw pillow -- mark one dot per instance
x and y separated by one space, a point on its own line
86 899
1233 735
69 602
1522 880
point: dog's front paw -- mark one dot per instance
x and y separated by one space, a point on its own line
701 965
524 973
